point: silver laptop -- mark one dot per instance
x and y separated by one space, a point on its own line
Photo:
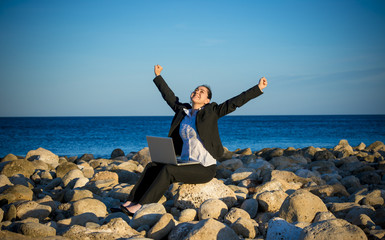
162 151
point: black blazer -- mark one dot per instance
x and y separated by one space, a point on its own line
206 119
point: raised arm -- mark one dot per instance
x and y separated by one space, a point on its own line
167 94
239 100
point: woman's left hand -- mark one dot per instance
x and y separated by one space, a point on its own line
262 83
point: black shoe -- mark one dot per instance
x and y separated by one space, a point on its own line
125 210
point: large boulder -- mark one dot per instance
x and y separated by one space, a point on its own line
160 230
37 230
89 205
193 195
16 193
301 206
143 156
43 155
332 229
117 228
33 209
280 229
211 229
148 215
19 166
212 208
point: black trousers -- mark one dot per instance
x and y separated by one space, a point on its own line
157 177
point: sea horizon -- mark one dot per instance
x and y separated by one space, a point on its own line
100 135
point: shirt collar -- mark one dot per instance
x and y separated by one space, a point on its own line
189 111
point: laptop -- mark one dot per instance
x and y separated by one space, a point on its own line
162 151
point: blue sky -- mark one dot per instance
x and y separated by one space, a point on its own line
96 58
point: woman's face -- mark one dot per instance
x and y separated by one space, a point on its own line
200 95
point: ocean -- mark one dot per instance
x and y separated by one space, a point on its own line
75 136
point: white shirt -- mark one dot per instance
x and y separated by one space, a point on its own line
193 148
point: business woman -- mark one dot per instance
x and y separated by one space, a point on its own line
194 131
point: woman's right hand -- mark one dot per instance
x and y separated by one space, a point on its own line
157 70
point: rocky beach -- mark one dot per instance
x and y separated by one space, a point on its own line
273 193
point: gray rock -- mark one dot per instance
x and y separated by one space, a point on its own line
231 164
43 155
32 209
329 229
117 153
301 206
16 193
250 206
212 208
19 166
148 214
234 214
181 230
244 173
248 228
89 205
80 219
143 156
193 195
280 229
188 215
211 229
162 228
37 230
271 201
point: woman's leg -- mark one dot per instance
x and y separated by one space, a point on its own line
169 174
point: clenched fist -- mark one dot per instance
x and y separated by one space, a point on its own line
157 70
262 83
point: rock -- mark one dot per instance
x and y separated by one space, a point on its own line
323 216
211 229
271 201
20 166
376 146
369 177
160 230
289 180
80 219
9 157
87 170
121 193
324 155
117 228
143 156
329 229
244 173
4 182
81 182
234 214
89 205
193 195
64 168
70 178
231 164
292 162
32 209
360 146
271 153
250 206
248 228
329 190
181 230
11 213
354 213
301 206
280 229
86 157
212 208
188 215
16 193
117 153
374 199
43 155
341 209
351 183
267 187
309 152
37 230
106 175
1 214
148 214
343 149
323 167
77 194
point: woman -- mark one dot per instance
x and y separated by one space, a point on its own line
194 130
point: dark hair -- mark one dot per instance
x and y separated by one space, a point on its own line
209 93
